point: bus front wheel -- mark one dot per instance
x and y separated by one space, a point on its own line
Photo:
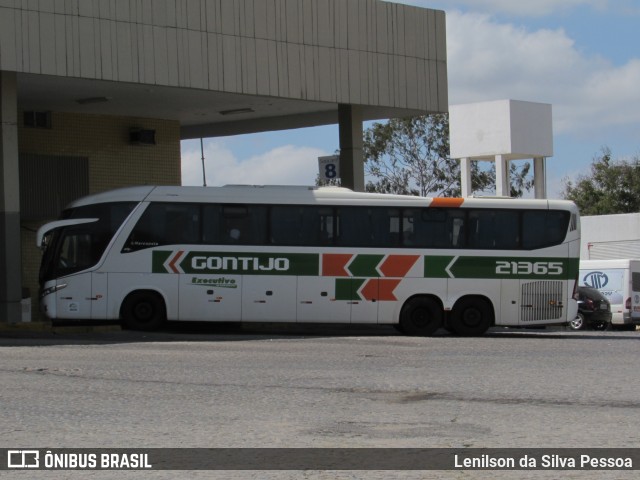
471 316
143 311
421 316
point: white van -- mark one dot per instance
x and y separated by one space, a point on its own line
619 281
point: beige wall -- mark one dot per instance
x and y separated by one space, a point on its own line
113 163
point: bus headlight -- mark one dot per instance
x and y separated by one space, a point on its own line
50 290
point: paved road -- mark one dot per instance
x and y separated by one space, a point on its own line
349 388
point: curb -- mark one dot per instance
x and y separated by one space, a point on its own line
48 327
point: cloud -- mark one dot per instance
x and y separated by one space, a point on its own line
531 8
535 8
488 60
286 165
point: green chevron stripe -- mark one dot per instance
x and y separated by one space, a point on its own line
347 288
526 268
365 265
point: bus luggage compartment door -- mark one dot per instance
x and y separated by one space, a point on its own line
268 298
216 298
318 300
510 302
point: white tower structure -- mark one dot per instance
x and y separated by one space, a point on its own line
502 131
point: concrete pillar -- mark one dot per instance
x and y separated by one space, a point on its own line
10 255
466 190
351 158
540 177
503 185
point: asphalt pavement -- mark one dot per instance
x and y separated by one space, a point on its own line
319 386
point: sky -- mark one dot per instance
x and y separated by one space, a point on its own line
580 56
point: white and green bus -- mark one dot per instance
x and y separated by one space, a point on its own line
143 255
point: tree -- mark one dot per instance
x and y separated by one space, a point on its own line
411 156
611 187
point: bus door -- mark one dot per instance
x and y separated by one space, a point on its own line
99 295
74 300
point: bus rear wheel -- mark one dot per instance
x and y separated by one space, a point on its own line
421 316
143 311
471 317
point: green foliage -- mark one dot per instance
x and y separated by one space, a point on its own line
611 187
411 156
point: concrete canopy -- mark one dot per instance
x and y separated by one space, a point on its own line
266 65
201 113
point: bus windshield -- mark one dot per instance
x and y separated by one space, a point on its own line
74 247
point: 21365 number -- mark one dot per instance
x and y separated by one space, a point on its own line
528 268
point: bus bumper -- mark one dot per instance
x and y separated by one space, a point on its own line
48 299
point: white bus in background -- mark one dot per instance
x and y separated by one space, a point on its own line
619 281
144 255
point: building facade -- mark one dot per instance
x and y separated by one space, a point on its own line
96 94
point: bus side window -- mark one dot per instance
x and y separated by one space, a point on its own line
182 224
325 217
368 227
386 227
286 225
457 231
145 234
432 228
165 224
408 228
244 224
543 228
494 229
211 224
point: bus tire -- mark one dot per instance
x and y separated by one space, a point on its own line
421 316
471 316
143 310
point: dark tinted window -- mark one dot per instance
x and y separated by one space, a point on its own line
212 232
433 228
301 225
305 225
494 229
165 224
243 225
78 247
368 227
543 228
111 215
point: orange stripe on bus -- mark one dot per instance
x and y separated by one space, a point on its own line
398 265
333 264
446 202
380 289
